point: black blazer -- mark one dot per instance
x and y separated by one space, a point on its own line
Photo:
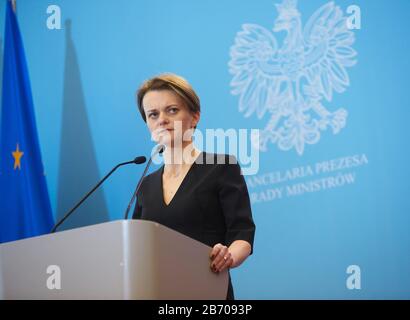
211 205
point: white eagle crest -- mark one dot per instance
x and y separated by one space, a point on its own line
290 82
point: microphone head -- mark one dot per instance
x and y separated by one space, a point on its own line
139 160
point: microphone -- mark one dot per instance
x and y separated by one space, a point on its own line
160 149
137 160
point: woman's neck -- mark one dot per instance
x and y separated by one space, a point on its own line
178 159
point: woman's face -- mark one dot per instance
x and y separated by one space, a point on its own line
168 118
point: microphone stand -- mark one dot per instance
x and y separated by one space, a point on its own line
160 149
137 160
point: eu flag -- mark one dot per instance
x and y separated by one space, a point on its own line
25 209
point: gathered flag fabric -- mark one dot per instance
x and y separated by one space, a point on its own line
25 209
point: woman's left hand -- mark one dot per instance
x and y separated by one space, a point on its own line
221 258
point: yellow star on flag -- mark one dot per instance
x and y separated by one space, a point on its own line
17 156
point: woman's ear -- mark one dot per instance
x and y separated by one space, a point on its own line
196 116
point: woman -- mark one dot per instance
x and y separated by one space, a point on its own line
199 197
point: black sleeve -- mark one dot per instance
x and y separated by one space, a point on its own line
234 198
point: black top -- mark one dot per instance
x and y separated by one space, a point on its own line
211 205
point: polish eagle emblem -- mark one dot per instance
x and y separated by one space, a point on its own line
293 82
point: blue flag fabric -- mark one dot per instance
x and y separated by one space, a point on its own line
25 209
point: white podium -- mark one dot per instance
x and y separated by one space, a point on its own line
124 259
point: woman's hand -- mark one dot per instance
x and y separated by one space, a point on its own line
229 257
221 258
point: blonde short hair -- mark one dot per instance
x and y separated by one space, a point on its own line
174 83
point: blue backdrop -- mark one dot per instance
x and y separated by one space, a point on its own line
328 208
